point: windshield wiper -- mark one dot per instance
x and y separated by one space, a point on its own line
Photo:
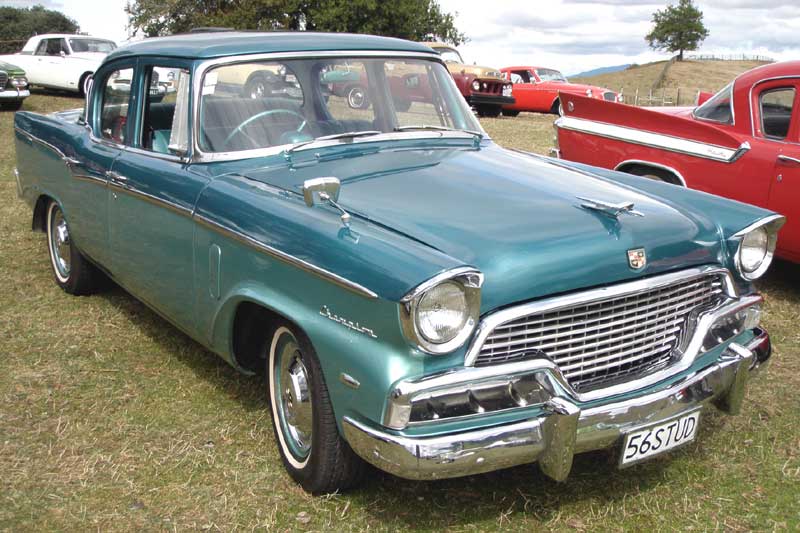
345 135
424 127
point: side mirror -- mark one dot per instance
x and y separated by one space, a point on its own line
320 189
62 53
325 190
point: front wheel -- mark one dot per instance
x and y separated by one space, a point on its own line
313 452
15 105
510 112
72 271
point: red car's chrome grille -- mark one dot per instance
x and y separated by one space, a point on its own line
606 341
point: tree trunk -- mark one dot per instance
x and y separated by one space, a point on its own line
680 55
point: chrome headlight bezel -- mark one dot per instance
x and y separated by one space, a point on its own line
476 85
769 224
470 281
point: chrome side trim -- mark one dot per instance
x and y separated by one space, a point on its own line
122 186
286 258
654 140
764 221
651 164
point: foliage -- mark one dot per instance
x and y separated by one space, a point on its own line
677 28
17 25
417 20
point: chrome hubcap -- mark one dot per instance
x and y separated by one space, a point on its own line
60 243
356 98
295 407
258 91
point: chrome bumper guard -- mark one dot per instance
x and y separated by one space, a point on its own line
564 429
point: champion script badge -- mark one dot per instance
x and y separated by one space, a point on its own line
355 326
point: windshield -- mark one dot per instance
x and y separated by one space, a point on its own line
92 45
718 108
449 55
547 74
252 105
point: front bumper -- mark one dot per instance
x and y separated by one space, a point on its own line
564 429
489 99
14 94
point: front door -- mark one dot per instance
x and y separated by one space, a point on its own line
776 122
152 195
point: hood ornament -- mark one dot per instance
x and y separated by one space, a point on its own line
612 210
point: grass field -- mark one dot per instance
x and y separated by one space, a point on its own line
111 420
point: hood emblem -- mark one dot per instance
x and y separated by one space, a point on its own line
612 210
637 258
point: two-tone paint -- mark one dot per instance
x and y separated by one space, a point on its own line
736 160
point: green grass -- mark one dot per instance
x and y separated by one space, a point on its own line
111 419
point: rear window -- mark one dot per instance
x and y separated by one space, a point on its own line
718 108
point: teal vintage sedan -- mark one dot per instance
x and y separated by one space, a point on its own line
418 297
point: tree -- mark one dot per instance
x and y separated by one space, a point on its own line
677 28
17 25
417 20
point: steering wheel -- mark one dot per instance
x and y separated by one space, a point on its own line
260 116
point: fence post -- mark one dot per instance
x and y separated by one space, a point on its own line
678 97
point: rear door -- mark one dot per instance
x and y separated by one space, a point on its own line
152 197
776 120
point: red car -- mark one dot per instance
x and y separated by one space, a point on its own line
536 89
742 143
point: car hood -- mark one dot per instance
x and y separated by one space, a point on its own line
12 70
514 216
577 88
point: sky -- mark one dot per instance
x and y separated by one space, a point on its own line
570 35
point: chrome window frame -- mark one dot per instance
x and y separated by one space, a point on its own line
201 156
686 357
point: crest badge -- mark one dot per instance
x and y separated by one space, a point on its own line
637 258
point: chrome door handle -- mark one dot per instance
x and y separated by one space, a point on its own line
786 159
116 177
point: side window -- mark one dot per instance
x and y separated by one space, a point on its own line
776 112
54 47
523 76
348 87
41 50
409 84
114 105
165 110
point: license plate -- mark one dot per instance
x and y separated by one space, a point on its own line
645 442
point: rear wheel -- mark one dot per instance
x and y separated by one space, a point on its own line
313 452
357 97
72 271
510 113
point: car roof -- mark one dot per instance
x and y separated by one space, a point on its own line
208 45
67 36
772 70
527 67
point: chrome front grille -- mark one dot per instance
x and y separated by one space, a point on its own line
3 79
604 341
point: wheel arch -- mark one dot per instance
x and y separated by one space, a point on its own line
670 174
39 220
82 81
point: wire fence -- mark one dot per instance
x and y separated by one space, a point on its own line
665 96
728 57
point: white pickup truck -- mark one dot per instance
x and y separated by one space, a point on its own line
61 61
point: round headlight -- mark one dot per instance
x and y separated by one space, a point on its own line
753 250
476 85
442 312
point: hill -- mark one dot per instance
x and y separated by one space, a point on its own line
679 84
601 70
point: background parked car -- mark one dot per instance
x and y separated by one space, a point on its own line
61 61
13 86
743 143
536 89
484 88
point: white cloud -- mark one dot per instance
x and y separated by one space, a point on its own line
578 35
